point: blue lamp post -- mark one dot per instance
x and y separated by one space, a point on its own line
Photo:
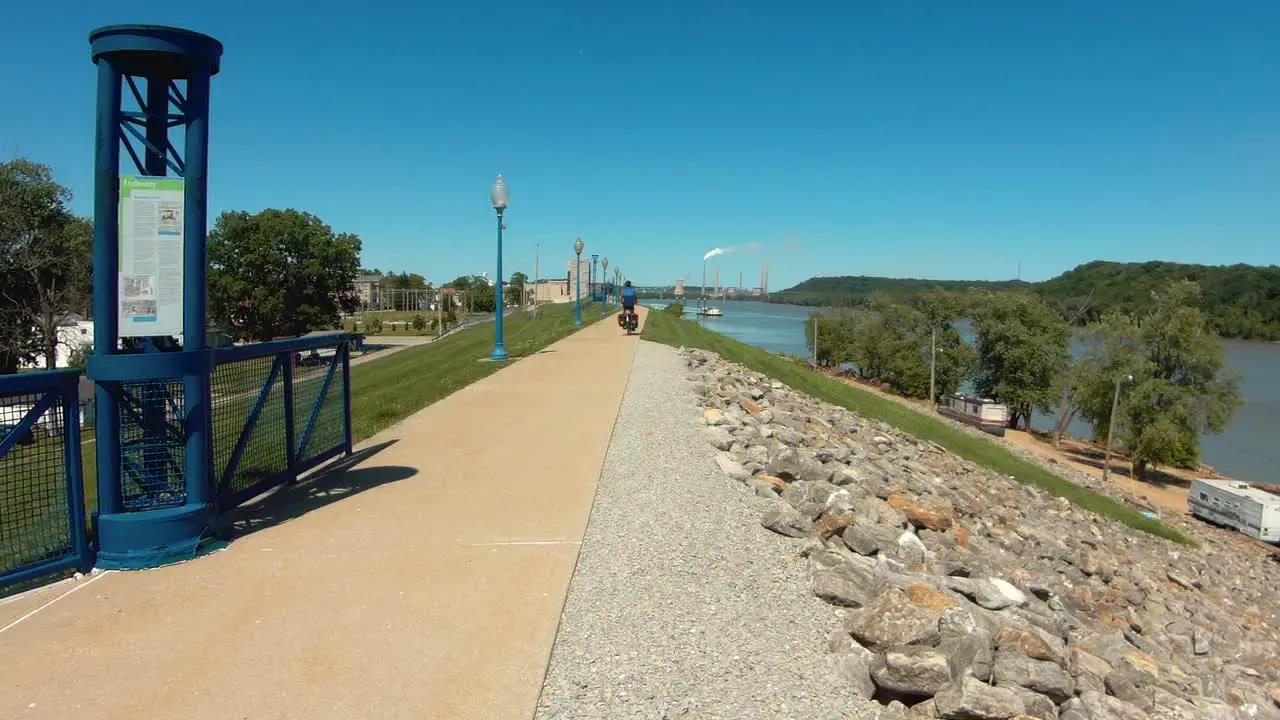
604 292
499 195
591 283
577 282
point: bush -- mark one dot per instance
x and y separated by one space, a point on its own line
373 326
419 323
676 309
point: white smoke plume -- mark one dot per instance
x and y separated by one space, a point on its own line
753 246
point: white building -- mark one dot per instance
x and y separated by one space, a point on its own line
73 335
579 278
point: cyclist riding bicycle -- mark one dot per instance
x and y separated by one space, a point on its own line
628 297
628 304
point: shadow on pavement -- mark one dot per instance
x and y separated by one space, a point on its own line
333 483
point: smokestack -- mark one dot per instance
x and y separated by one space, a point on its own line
739 279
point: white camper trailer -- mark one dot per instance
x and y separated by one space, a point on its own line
1254 512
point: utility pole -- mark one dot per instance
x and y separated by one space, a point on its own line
1111 429
933 357
537 276
815 339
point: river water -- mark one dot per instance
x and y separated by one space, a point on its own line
1248 450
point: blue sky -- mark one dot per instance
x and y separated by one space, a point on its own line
930 138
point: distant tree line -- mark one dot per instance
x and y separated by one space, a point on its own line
1238 301
1166 360
861 290
275 273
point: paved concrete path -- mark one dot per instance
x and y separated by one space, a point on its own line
427 581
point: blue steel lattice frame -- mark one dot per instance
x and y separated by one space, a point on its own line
281 382
146 533
57 389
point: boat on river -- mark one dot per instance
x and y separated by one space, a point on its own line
710 312
987 415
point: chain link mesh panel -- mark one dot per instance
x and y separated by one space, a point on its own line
261 404
318 407
153 446
35 515
237 389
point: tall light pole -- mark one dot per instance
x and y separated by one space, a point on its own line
577 282
537 276
591 282
499 195
702 296
1111 427
604 275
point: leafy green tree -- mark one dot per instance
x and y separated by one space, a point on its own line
890 344
404 289
1112 351
280 273
937 309
46 256
406 281
1180 390
1023 349
903 338
479 294
516 288
481 298
80 356
834 333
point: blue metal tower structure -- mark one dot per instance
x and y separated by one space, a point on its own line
153 398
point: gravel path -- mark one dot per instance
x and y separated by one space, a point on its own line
682 605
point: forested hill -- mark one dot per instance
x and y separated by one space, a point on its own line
856 290
1240 301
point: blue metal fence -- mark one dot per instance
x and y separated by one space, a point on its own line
279 409
43 528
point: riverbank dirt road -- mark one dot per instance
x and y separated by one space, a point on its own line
1168 491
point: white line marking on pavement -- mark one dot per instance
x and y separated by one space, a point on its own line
31 614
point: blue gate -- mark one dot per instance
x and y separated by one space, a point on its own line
279 409
43 529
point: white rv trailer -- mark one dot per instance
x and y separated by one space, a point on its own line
1254 512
